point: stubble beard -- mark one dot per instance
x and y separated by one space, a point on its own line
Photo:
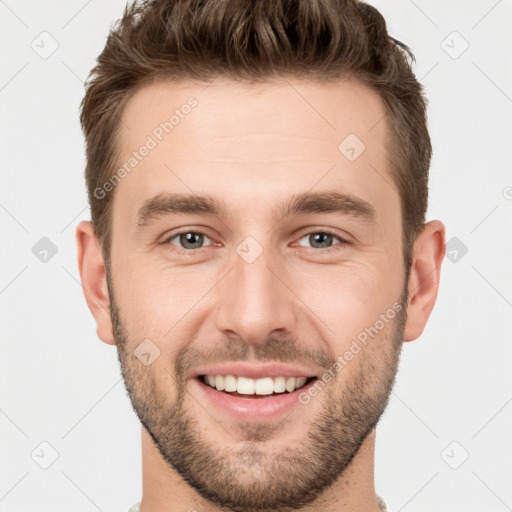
247 477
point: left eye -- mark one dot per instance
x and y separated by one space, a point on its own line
320 239
189 239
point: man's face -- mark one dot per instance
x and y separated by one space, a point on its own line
259 283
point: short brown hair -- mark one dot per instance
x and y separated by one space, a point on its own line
255 41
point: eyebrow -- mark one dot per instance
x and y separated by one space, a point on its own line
302 204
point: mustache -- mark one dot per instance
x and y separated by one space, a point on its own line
274 349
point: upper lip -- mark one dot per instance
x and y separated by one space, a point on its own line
254 371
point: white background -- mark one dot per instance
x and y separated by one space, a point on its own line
62 386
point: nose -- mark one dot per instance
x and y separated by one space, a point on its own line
255 300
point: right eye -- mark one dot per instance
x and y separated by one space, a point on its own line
188 240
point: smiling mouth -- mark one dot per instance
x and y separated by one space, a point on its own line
265 387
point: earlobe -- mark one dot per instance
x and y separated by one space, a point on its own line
94 279
429 250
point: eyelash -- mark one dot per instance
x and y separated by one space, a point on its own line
343 242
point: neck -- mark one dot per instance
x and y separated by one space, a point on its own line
163 490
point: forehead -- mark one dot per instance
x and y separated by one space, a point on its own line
251 141
323 111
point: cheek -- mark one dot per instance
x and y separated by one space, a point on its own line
155 301
346 299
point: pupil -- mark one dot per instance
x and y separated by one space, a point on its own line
324 239
191 240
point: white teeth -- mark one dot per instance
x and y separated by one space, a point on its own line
230 383
279 385
290 384
219 382
245 386
300 381
262 386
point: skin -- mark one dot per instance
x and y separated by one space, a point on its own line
254 147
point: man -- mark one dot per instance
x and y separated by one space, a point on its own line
258 252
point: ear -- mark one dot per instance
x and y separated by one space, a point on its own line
94 279
423 285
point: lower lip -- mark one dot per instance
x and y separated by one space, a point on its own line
267 408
